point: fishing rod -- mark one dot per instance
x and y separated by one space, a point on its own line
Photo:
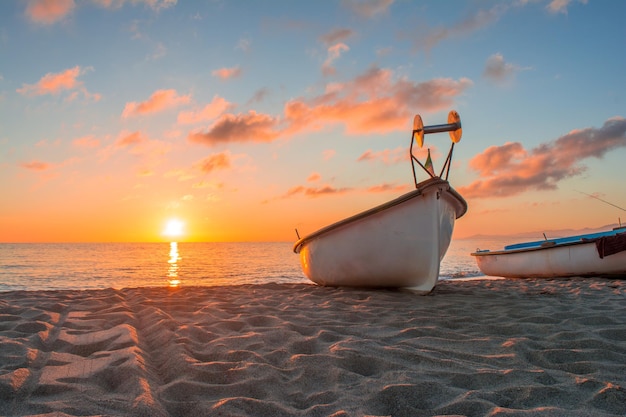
598 198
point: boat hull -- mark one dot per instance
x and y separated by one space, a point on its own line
398 244
553 259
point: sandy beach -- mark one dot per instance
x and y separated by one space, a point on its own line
473 348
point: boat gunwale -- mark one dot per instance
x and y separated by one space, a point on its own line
556 245
488 252
421 188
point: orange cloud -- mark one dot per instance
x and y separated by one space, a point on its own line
384 188
204 184
211 111
314 177
36 165
328 190
315 191
250 127
387 156
509 169
160 100
227 73
130 139
86 142
180 174
48 11
140 145
56 83
214 161
497 158
373 103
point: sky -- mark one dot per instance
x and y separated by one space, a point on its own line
246 120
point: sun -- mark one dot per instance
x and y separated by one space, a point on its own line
174 228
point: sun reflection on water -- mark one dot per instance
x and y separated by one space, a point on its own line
172 271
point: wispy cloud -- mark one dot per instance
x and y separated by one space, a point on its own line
180 175
367 8
89 141
36 165
500 71
510 169
244 44
334 52
427 38
381 52
214 162
313 192
386 156
159 51
152 4
259 96
336 36
130 139
560 6
56 83
208 184
209 112
385 188
328 154
160 100
327 190
148 152
227 73
313 177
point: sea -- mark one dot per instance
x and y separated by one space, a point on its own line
83 266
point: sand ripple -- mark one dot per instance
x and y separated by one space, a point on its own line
471 348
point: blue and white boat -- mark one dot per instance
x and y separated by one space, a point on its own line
596 254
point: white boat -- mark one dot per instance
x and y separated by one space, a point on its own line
597 254
397 244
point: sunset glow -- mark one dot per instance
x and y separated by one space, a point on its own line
252 119
174 228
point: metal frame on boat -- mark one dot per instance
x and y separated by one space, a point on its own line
597 254
397 244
